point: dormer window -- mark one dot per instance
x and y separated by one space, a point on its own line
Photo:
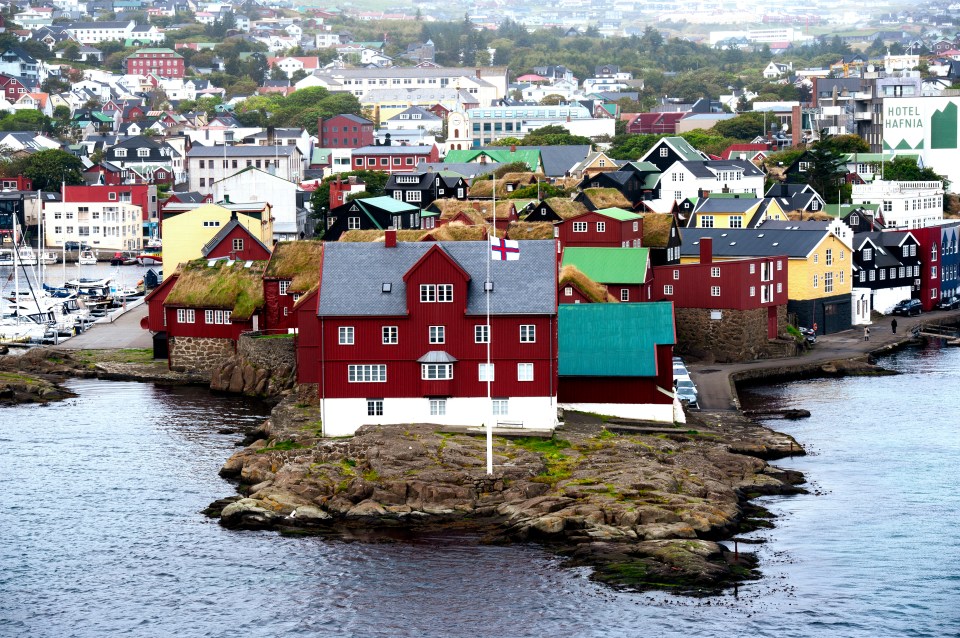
867 254
143 152
120 152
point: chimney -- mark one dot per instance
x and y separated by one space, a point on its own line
478 74
706 250
390 238
513 148
320 132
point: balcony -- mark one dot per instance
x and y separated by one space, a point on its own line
863 116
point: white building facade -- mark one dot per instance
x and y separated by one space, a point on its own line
904 205
106 226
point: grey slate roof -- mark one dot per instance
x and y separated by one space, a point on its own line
354 272
702 169
752 242
229 226
241 151
726 205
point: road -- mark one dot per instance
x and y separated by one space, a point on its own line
123 332
713 379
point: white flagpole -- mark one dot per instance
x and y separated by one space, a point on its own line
487 285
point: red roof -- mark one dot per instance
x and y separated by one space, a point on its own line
740 148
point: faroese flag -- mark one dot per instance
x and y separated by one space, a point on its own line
504 249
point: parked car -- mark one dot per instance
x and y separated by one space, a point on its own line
680 372
949 303
808 335
687 393
908 307
76 245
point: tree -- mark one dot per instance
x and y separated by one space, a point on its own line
905 169
48 169
745 126
848 144
552 100
826 169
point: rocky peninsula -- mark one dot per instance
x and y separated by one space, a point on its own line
642 504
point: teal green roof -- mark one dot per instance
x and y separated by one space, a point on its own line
610 265
621 340
388 204
842 210
651 180
619 214
502 156
867 158
320 155
684 149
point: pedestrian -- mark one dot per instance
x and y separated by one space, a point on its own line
866 334
893 326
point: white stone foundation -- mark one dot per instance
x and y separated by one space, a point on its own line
342 417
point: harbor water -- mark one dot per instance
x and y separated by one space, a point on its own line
103 536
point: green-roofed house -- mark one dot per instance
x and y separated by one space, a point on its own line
497 156
625 272
372 213
672 149
604 228
616 359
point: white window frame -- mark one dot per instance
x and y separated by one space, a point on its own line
436 371
714 291
524 372
428 293
624 294
390 335
482 369
481 333
345 335
374 407
528 333
601 227
444 293
579 227
437 334
367 373
500 407
186 315
438 407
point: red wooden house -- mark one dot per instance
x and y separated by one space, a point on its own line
610 227
293 271
731 308
344 131
13 89
624 272
929 249
207 308
393 158
622 365
156 319
235 241
398 333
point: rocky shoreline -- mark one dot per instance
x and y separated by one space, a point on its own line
643 506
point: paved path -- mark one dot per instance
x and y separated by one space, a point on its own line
123 332
713 380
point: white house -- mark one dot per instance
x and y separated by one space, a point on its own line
905 205
686 179
257 185
107 226
207 165
777 69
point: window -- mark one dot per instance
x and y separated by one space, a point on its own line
353 223
524 372
841 276
664 151
436 371
828 282
438 407
238 244
112 196
624 294
486 371
437 334
428 293
829 256
863 275
933 272
736 221
668 290
445 293
715 271
500 407
284 287
390 335
601 227
346 335
528 333
481 334
714 291
636 226
369 373
933 252
208 316
867 254
779 287
374 407
579 227
753 291
816 258
143 152
706 221
676 275
854 220
816 281
185 315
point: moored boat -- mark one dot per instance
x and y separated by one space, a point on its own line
149 259
87 258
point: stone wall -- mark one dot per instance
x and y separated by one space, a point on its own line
261 367
274 353
198 354
740 335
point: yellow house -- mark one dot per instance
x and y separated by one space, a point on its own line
187 227
819 263
718 211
